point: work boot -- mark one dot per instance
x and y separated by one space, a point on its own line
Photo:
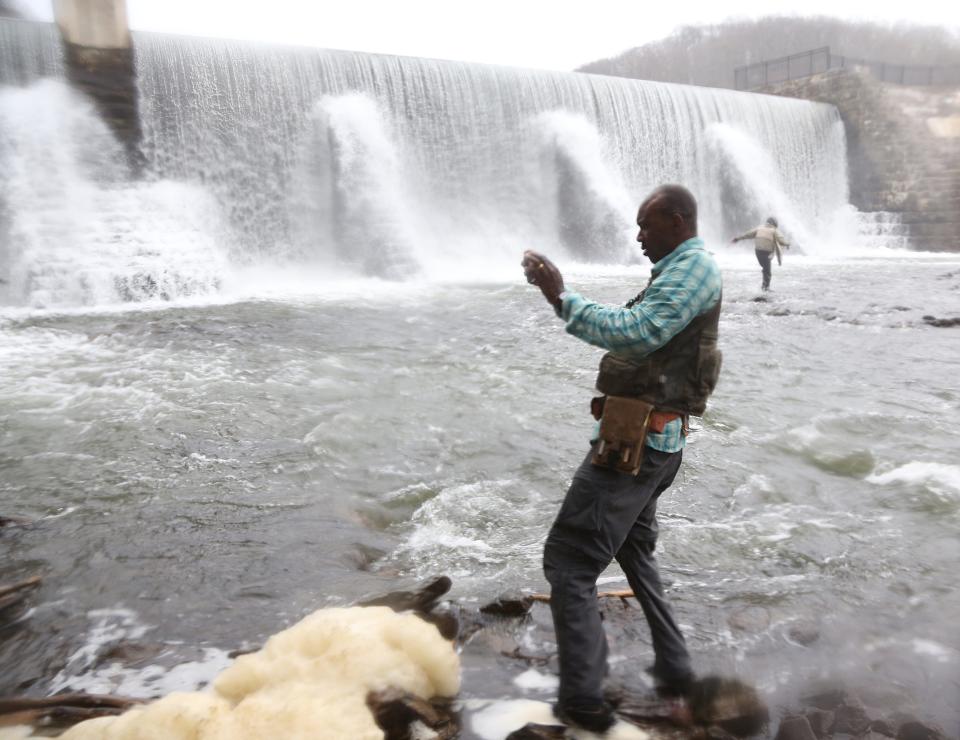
596 716
671 684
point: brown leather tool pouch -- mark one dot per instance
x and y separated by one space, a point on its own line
623 431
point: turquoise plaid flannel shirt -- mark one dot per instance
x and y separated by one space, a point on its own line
684 284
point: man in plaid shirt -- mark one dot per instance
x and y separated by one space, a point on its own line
665 338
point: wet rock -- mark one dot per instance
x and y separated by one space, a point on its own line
795 728
883 696
645 710
362 557
914 730
883 727
131 653
751 619
423 599
61 710
245 650
934 321
396 712
827 698
446 622
715 732
508 606
531 731
13 596
804 633
851 719
760 299
728 703
531 660
821 720
779 312
13 521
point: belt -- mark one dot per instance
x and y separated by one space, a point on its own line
658 419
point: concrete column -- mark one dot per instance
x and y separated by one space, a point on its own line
100 24
99 59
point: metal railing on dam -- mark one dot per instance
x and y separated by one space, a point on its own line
807 63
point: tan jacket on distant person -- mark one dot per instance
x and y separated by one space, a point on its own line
766 238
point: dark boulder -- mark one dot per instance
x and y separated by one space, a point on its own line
508 606
795 728
533 731
914 730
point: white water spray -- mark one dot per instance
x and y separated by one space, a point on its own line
76 231
387 167
348 196
592 205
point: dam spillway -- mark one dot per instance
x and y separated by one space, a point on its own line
374 165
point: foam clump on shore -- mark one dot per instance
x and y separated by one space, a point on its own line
309 681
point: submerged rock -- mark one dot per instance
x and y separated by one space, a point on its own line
533 731
942 323
795 728
509 605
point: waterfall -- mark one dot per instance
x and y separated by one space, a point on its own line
349 190
395 167
593 207
75 231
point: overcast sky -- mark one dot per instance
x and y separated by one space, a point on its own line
547 34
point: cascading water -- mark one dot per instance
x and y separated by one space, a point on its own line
75 230
393 167
348 194
593 206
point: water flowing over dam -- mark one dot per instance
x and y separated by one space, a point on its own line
376 166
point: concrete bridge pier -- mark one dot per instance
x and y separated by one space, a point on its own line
99 59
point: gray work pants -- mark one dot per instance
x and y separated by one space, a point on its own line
764 259
605 515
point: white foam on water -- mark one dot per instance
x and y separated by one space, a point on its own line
533 680
109 626
450 521
498 719
941 653
149 681
19 732
939 477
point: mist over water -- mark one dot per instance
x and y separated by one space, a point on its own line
296 363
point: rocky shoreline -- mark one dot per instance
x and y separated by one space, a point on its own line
718 708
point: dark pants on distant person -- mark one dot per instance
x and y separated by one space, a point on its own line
764 259
608 514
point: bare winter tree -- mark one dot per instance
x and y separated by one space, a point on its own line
708 55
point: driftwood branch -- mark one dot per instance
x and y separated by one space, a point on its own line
16 593
396 711
19 586
61 709
622 594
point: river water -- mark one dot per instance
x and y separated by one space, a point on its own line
201 475
294 363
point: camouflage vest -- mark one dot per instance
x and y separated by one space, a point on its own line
678 377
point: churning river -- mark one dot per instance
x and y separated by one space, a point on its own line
201 475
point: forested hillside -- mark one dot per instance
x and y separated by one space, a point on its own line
708 55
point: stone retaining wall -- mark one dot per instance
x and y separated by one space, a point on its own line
903 149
